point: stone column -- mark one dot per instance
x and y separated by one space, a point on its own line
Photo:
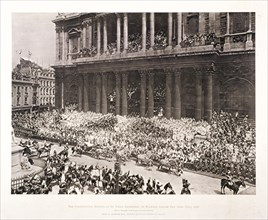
70 49
177 95
63 57
98 36
150 94
143 32
118 32
117 93
151 31
249 42
80 92
84 39
202 23
168 94
104 34
208 96
104 93
57 43
179 21
98 92
125 32
143 94
198 88
124 94
227 23
90 34
79 44
86 92
62 92
169 31
227 45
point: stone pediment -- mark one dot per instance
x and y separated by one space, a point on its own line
74 32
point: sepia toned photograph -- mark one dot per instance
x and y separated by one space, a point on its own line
133 103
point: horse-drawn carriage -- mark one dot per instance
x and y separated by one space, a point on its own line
97 151
144 160
174 165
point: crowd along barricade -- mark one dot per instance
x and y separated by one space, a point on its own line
203 164
220 168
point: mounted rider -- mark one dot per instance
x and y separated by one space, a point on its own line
229 177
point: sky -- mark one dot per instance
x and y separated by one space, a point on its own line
34 33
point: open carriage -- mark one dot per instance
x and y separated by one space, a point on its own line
144 160
174 165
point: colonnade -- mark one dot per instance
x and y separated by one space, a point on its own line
173 103
85 33
64 42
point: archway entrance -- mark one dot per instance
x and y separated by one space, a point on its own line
238 96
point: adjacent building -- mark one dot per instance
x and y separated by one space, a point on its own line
32 87
47 87
186 64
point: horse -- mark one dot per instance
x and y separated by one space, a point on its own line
185 191
168 189
234 187
144 159
170 165
45 149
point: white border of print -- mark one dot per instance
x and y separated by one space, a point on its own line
141 207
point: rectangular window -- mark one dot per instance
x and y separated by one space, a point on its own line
239 22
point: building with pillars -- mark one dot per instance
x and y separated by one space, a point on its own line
188 64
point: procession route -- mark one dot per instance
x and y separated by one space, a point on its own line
200 184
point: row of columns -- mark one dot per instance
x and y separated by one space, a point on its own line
121 104
87 30
203 82
171 88
144 28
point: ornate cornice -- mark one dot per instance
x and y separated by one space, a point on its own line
87 22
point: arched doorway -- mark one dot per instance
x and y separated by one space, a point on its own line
238 95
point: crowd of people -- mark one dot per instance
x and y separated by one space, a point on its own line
160 43
199 40
72 178
134 44
227 143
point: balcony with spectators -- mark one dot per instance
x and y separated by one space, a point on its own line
108 36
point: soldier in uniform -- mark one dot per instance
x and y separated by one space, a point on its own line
229 177
185 187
